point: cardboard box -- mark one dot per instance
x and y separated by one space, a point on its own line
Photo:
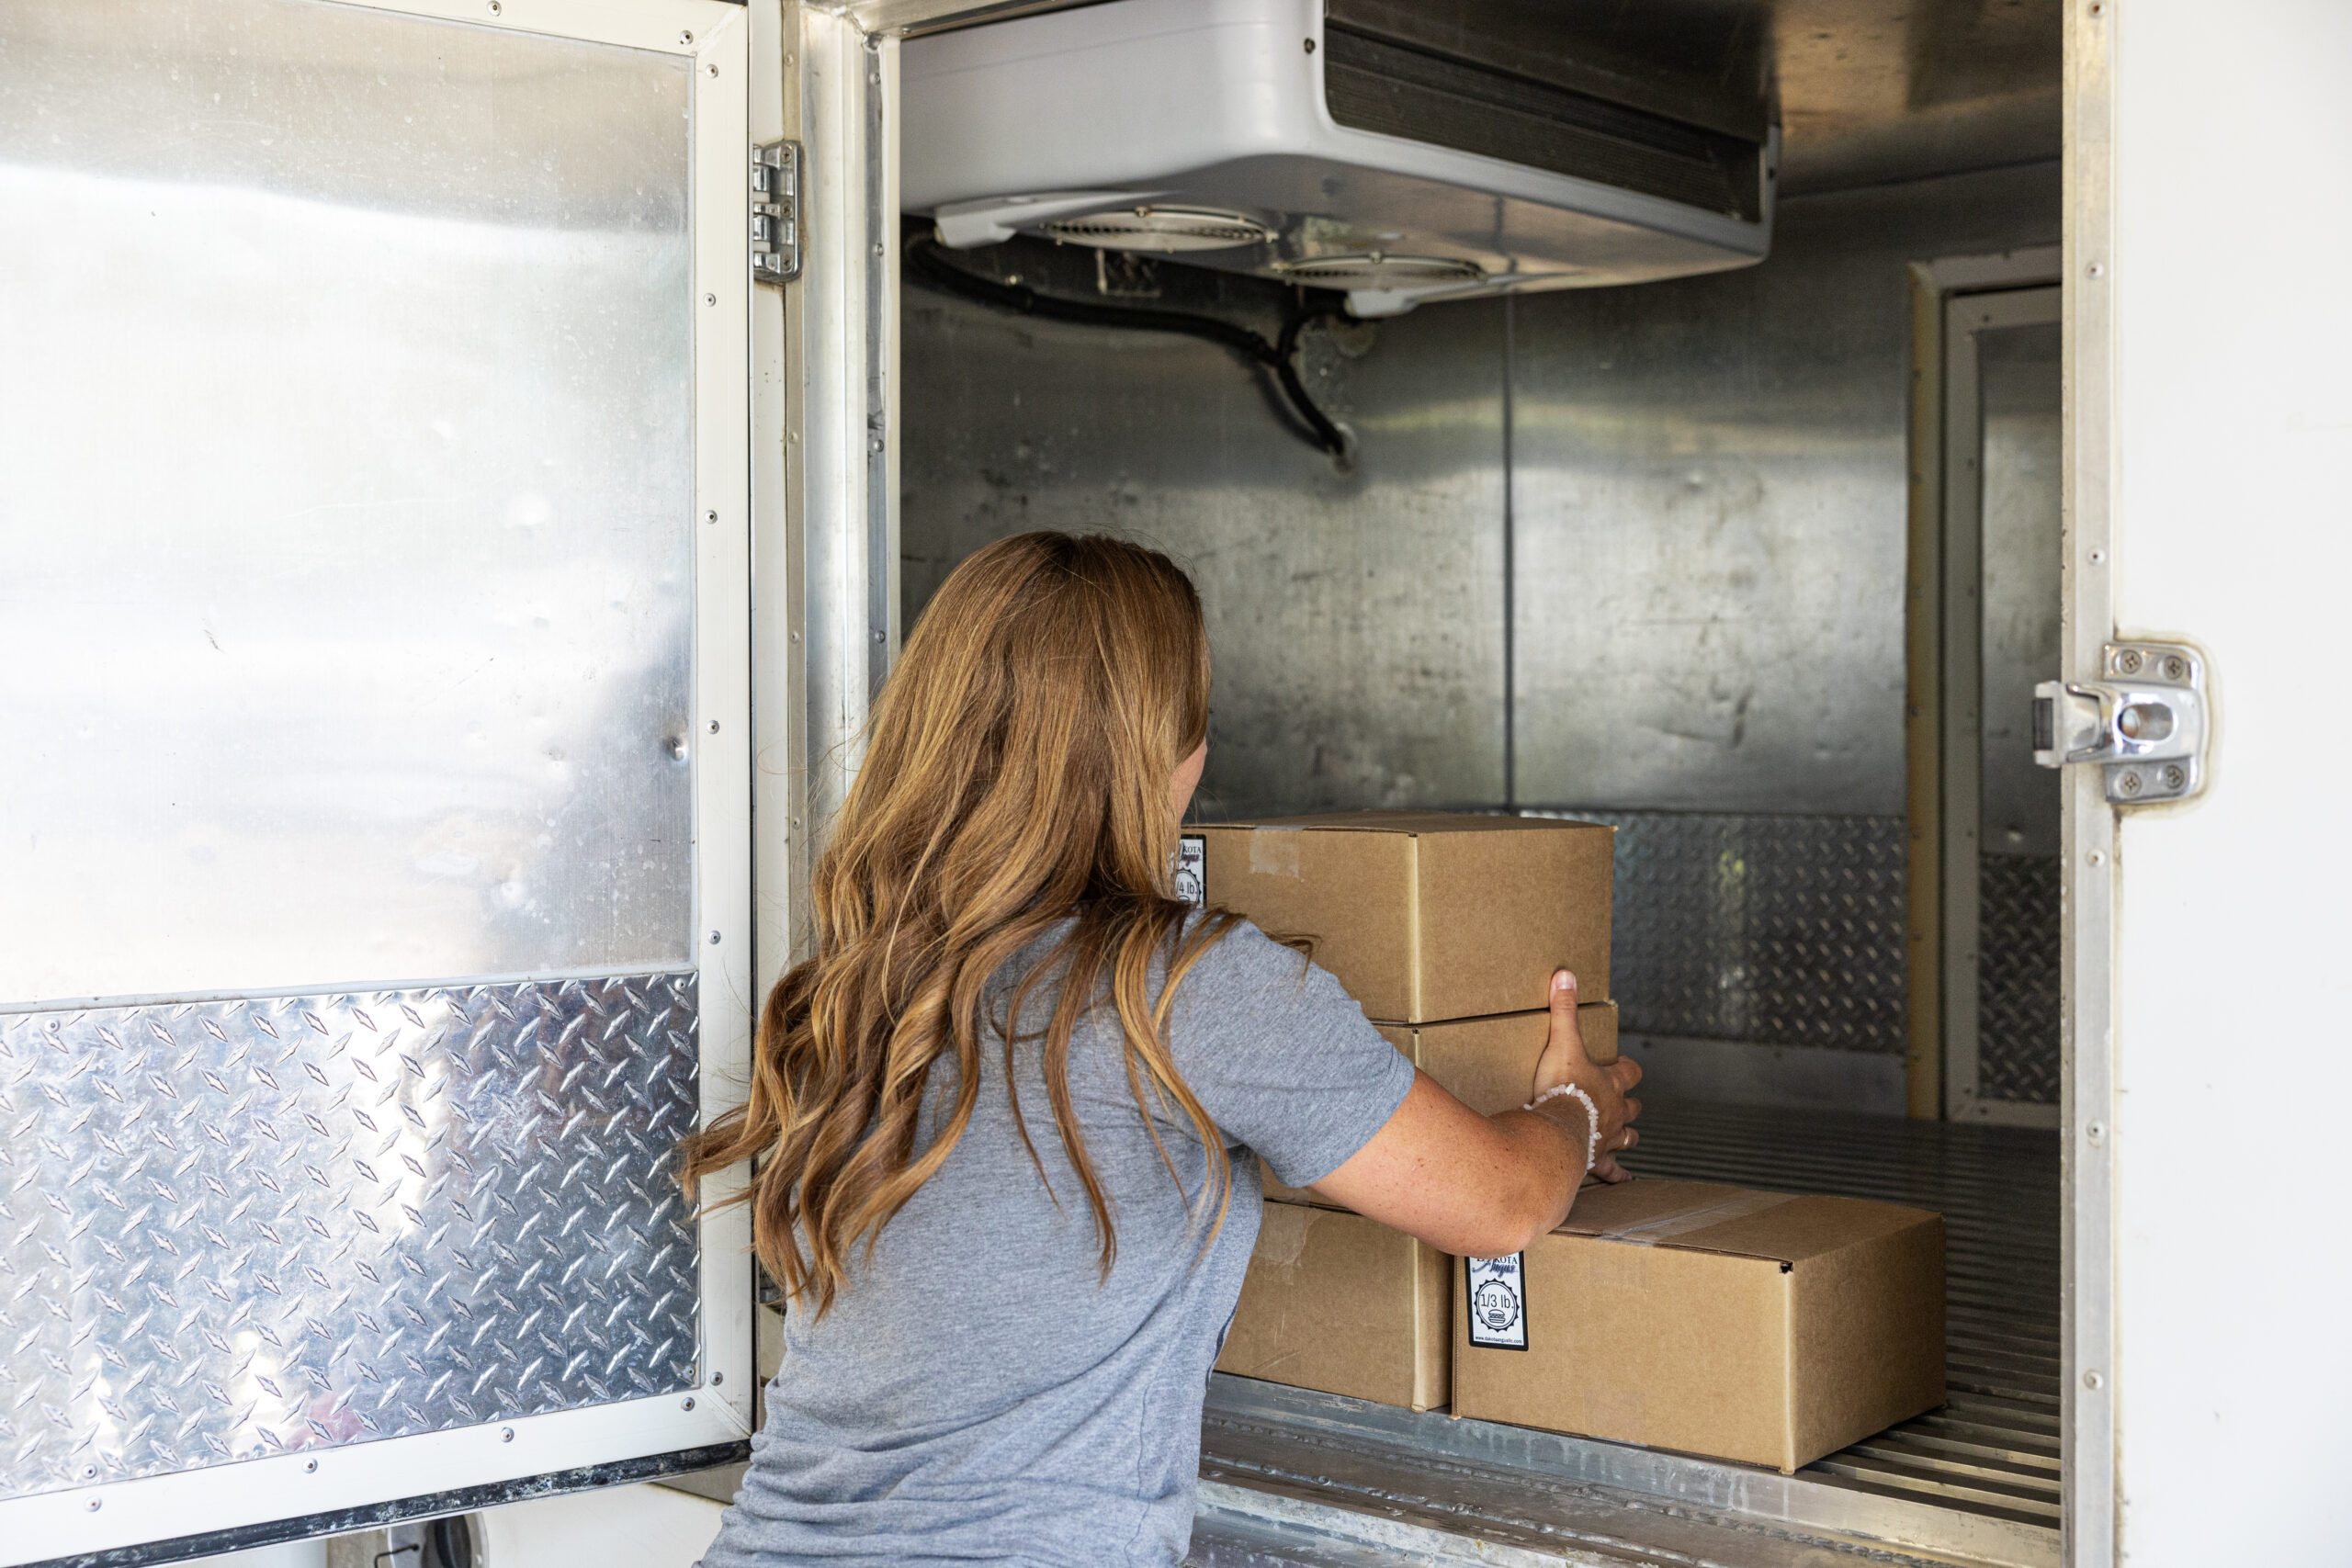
1489 1063
1747 1325
1341 1303
1424 915
1486 1063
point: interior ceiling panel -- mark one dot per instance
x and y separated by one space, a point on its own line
1871 91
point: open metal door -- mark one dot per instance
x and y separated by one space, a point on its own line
374 636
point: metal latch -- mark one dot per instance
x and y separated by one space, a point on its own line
2144 724
776 212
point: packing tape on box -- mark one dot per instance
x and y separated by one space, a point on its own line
1281 1234
1648 1232
1273 852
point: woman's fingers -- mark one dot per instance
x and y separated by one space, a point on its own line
1626 1138
1627 1072
1633 1109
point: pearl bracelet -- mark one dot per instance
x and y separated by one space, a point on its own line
1592 1112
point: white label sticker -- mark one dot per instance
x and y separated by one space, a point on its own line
1496 1296
1192 868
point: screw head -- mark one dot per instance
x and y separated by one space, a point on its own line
2096 1131
714 938
685 38
688 1402
2176 776
711 70
2129 661
506 1434
1310 46
2175 667
2096 857
714 726
718 1378
711 516
2098 555
2092 1380
96 1502
495 7
2130 783
710 299
309 1467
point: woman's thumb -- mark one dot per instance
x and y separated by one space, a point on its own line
1563 995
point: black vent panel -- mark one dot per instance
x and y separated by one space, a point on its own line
1371 83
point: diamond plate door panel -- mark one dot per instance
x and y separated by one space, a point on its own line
231 1229
2018 999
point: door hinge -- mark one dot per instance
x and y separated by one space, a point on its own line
776 212
2144 724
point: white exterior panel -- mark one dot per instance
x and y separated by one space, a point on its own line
2233 437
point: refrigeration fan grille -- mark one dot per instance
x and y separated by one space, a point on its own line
1377 271
1160 229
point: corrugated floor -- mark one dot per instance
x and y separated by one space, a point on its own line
1994 1448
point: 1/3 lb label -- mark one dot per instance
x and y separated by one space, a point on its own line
1496 1297
1192 868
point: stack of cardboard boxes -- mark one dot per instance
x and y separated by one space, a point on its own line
1447 928
1751 1325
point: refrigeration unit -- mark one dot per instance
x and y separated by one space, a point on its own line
1396 152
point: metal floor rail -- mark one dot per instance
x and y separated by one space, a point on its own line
1291 1477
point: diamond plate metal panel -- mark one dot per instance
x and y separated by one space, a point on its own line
230 1229
2016 978
1785 930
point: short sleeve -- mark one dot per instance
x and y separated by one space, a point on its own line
1282 1059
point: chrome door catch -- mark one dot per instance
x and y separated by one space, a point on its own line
776 212
2144 724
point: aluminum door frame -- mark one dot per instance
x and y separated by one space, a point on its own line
1927 590
1962 674
2086 841
308 1491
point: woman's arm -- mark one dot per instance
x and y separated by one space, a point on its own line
1488 1185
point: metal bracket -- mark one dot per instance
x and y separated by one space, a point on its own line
776 212
2144 724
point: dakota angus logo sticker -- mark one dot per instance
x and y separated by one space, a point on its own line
1496 1297
1191 866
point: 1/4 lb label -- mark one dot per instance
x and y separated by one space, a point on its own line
1496 1297
1192 868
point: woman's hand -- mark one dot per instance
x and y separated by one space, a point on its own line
1563 1062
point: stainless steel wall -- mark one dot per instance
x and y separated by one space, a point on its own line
1702 485
1356 618
1709 489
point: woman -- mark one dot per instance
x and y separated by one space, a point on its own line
1009 1116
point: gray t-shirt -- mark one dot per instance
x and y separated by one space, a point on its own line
978 1393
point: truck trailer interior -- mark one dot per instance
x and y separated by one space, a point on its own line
468 466
1652 554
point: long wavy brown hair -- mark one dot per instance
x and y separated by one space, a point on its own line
1016 776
